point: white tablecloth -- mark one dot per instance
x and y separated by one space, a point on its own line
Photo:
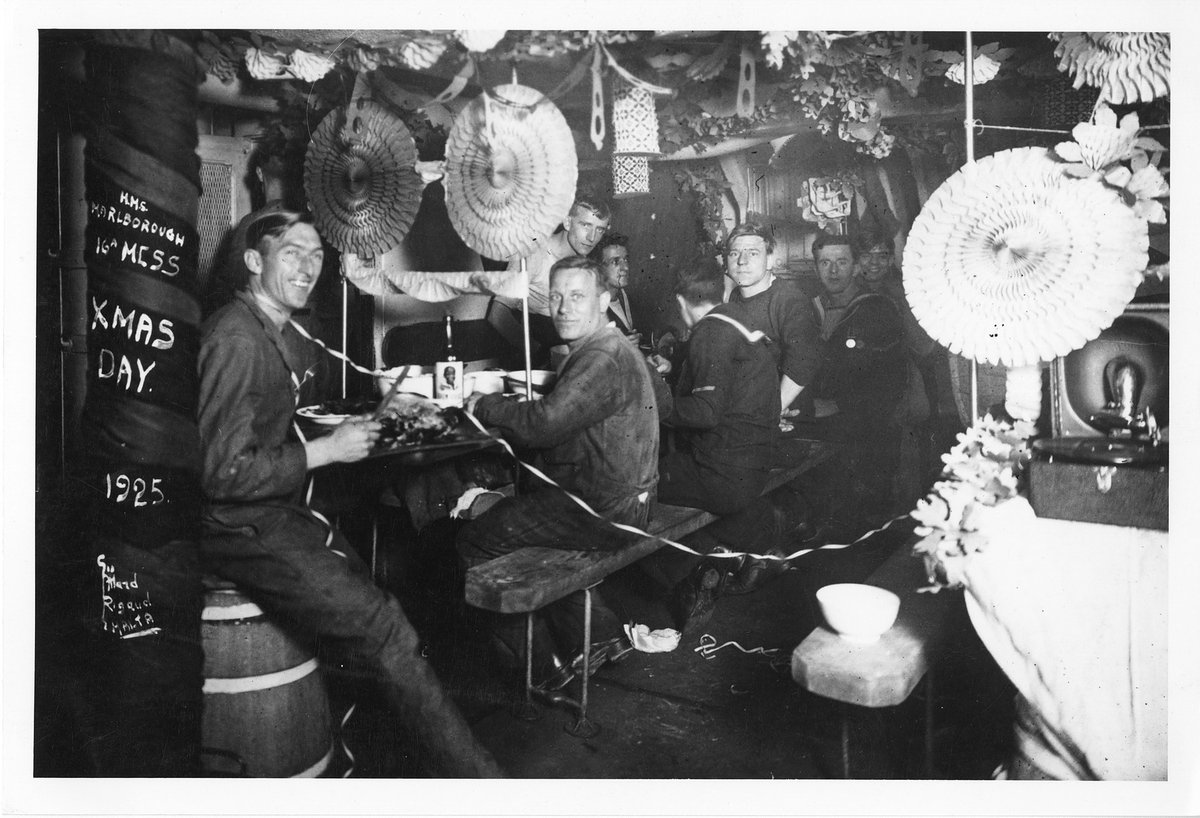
1076 616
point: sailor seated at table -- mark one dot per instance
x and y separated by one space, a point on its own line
725 414
613 254
597 436
257 530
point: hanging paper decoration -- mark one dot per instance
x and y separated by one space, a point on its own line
264 66
511 170
635 123
598 126
308 67
480 39
1012 261
631 175
745 92
422 51
360 180
1126 66
387 274
824 199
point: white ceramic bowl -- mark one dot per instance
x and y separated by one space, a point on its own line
488 382
417 380
859 613
543 381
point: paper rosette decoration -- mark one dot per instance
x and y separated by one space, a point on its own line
360 179
511 170
1012 262
1127 66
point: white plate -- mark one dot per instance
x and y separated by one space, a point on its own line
315 414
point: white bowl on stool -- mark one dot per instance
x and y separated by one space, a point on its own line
858 613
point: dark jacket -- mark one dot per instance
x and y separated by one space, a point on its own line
727 398
865 368
598 428
247 399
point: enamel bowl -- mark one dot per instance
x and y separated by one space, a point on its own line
418 380
858 613
543 381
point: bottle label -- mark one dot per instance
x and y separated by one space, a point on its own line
448 383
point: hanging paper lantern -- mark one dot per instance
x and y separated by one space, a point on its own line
1012 261
635 124
511 170
631 175
1126 66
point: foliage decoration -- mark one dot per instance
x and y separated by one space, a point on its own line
707 184
834 78
981 473
1101 149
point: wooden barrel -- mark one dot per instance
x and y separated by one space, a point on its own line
265 704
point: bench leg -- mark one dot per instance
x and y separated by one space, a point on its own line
526 710
583 728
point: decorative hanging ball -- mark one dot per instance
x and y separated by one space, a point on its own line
1012 261
1127 66
631 175
635 123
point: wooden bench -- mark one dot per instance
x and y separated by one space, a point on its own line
884 673
527 580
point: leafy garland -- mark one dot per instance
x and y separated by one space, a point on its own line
707 184
982 472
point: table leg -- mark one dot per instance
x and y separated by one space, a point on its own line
526 710
929 723
583 728
845 713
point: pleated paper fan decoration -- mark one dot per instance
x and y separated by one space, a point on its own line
360 180
1012 262
511 170
1127 66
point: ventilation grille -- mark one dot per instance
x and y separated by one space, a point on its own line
216 215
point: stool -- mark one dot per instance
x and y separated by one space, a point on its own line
265 706
883 673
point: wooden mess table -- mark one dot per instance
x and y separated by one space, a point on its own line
884 673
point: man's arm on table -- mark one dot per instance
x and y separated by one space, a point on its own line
588 395
238 465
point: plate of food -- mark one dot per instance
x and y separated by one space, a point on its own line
419 427
333 412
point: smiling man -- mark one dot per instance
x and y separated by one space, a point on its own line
596 435
257 531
